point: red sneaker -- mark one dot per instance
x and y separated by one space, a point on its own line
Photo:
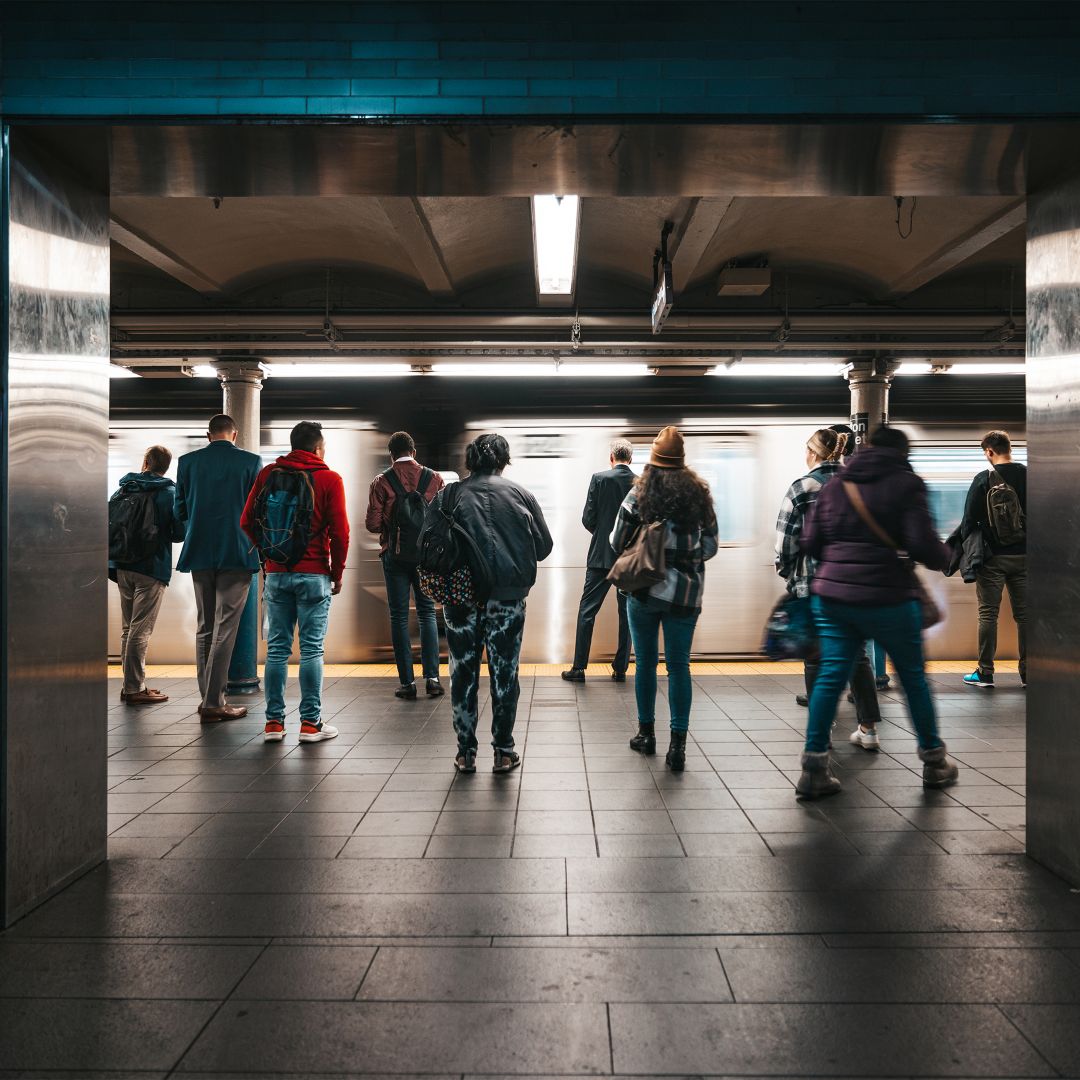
274 731
310 732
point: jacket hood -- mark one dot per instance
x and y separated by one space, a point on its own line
302 459
875 463
146 481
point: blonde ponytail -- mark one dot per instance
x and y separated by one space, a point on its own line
827 444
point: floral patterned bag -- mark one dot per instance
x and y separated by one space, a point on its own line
452 569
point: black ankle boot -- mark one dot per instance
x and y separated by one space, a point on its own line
644 742
676 755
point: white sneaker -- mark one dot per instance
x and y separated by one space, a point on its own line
867 739
311 733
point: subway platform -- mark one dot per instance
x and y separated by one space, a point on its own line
356 908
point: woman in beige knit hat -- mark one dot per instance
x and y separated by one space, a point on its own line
669 492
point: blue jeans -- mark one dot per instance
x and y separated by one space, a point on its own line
879 659
292 600
400 581
842 629
645 624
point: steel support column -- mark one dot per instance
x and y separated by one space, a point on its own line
241 384
869 382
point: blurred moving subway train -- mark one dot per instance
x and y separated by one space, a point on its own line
749 456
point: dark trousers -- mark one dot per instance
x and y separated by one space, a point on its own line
863 687
496 628
995 575
401 582
592 599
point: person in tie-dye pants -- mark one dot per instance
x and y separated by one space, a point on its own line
507 526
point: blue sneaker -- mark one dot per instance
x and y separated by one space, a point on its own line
977 678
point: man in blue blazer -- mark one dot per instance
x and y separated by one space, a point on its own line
212 485
606 492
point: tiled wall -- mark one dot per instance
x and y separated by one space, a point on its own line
518 57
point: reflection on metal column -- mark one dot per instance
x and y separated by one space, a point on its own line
1053 387
54 553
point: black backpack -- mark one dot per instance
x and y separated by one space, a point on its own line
283 512
1004 512
446 548
133 526
407 517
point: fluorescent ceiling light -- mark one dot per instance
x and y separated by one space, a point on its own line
118 372
794 368
992 368
555 241
336 371
204 371
605 370
501 370
915 367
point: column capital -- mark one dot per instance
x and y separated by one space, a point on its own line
877 369
250 371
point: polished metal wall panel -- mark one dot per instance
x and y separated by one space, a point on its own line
54 559
1053 383
587 159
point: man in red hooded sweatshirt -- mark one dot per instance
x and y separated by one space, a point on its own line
299 595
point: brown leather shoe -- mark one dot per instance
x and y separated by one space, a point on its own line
145 697
222 712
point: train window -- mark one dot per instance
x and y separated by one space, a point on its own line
948 472
728 468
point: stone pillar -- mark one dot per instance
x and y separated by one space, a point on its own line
241 384
869 381
1053 517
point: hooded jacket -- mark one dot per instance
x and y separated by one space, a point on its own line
170 529
508 526
854 566
329 545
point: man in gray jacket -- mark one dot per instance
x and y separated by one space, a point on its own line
606 492
212 485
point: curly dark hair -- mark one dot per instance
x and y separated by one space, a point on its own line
676 495
487 454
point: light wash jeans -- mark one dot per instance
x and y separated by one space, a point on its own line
842 629
645 625
294 600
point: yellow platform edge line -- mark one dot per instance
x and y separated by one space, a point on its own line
705 667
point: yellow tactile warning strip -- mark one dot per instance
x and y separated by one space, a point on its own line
719 667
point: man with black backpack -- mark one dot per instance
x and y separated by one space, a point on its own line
295 516
997 505
142 530
397 503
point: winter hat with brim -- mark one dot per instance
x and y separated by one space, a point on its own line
667 450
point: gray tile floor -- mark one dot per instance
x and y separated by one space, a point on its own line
356 908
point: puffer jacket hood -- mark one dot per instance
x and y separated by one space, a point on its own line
146 481
854 566
302 459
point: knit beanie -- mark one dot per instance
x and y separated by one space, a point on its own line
667 450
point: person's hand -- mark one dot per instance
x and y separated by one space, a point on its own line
335 588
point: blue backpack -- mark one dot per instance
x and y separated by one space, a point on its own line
283 512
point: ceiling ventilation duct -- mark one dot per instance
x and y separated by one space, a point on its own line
744 281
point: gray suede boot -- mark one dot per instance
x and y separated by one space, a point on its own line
939 770
817 779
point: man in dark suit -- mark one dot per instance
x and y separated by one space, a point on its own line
212 485
606 492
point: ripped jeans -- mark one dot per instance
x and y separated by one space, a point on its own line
498 627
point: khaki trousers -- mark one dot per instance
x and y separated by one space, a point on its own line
140 602
220 596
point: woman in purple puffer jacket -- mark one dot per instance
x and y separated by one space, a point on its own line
864 589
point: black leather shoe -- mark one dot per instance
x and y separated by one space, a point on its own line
435 688
803 700
644 742
575 674
406 693
618 676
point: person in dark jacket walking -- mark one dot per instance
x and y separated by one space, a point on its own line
508 527
212 484
142 584
863 589
1004 565
297 597
405 476
606 492
671 493
824 457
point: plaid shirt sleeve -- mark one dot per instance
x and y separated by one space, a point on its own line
789 523
626 524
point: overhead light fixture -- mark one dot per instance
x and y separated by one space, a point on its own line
992 368
556 223
495 369
915 367
337 371
793 369
605 371
118 372
203 371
